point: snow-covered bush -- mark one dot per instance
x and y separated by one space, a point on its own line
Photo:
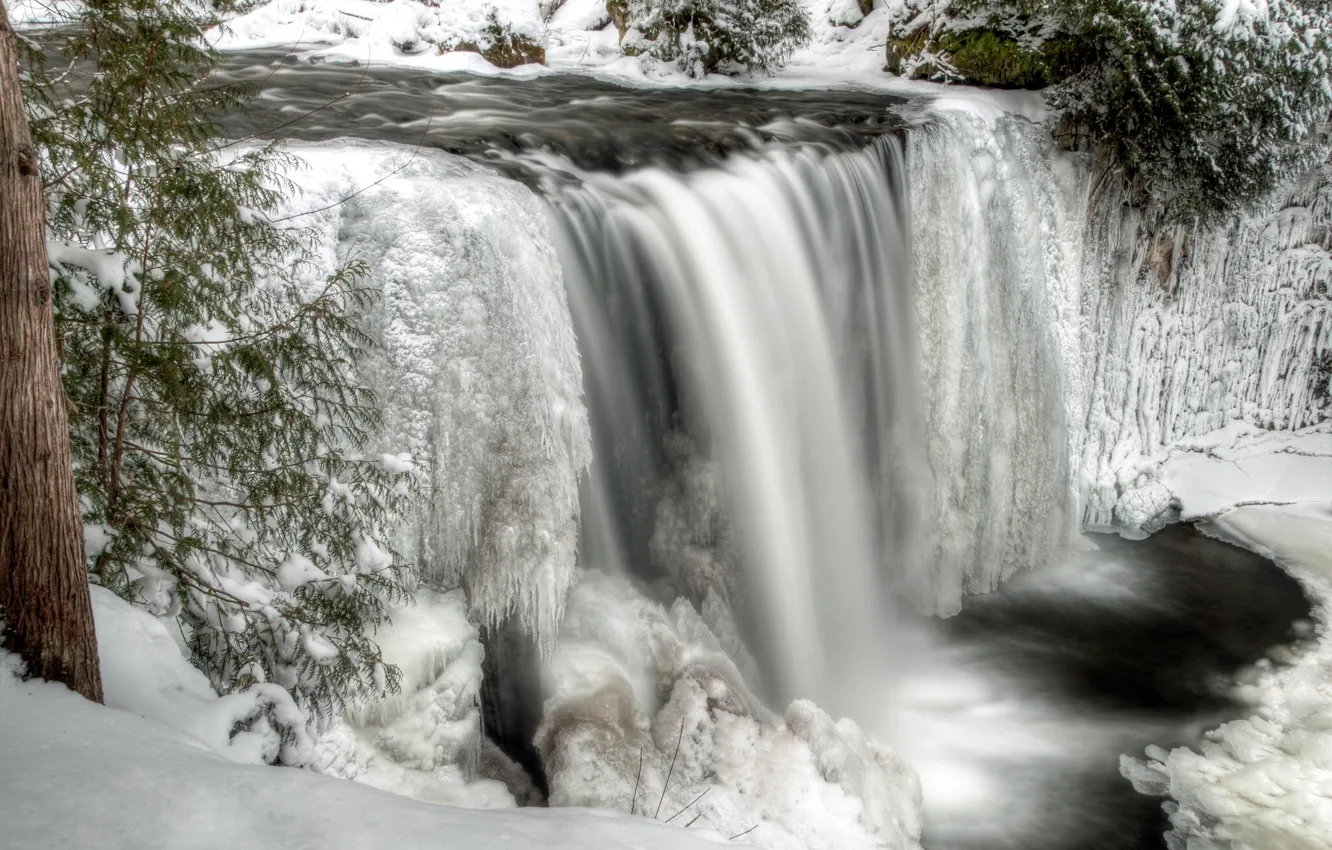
707 36
216 422
1209 106
144 671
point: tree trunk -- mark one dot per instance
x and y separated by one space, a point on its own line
43 579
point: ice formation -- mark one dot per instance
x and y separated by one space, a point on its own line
1264 782
424 742
996 226
1189 330
479 375
633 682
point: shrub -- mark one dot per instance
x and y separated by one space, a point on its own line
708 36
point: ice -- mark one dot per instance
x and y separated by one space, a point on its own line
996 244
1191 332
479 376
424 742
77 774
1264 782
631 681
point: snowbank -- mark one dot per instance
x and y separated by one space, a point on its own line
145 672
1241 464
76 774
1264 783
648 713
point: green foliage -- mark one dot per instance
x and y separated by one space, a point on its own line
1207 111
215 418
707 36
502 47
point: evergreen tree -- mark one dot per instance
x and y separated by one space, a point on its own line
706 36
216 421
1209 106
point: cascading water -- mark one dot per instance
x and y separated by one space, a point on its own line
765 309
820 378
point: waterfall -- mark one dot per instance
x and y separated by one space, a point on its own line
765 310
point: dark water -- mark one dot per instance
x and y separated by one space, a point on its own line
595 125
1135 645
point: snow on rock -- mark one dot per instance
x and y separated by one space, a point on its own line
632 681
424 741
380 30
1190 331
144 672
1264 782
77 774
478 377
1243 464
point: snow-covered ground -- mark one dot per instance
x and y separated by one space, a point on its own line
1263 783
77 774
847 48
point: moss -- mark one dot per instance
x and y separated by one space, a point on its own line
902 48
504 48
984 56
618 10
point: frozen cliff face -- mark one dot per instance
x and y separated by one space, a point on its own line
648 714
1189 330
424 742
997 237
478 377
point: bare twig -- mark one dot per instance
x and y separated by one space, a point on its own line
695 800
637 778
415 153
694 821
298 118
743 834
671 770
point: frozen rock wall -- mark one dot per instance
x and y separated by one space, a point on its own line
479 374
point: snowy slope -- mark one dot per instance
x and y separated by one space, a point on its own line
76 774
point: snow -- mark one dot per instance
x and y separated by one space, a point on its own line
633 682
1242 464
1263 782
478 376
579 38
76 774
144 672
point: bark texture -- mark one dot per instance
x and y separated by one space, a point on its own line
43 579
